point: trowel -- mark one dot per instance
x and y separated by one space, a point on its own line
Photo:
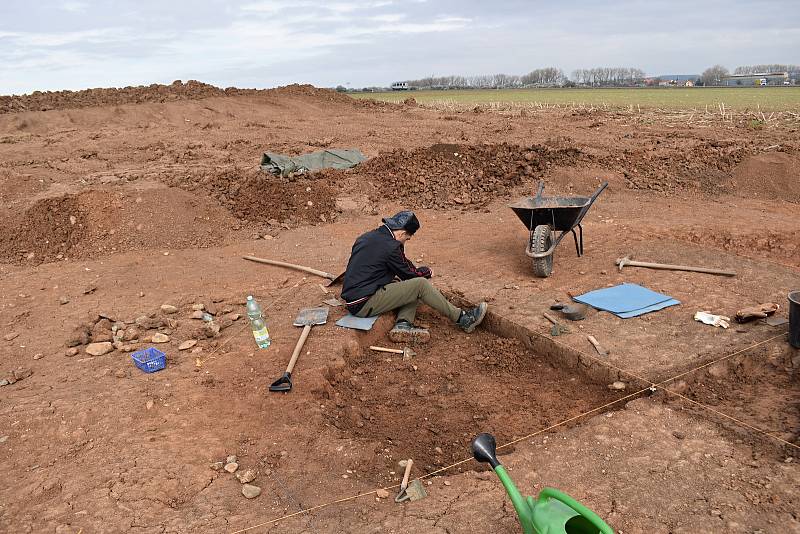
413 491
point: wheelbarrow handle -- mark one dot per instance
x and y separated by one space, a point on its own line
540 189
597 193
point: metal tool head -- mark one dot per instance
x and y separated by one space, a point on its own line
284 383
408 353
623 261
414 492
311 316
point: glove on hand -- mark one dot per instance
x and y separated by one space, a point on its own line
426 271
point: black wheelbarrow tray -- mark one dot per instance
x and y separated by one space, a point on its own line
544 216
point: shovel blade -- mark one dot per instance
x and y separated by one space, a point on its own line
284 383
312 316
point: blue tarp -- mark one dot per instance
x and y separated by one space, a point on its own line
626 300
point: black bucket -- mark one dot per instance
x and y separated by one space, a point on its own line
794 319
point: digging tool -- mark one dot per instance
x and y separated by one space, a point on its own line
407 352
622 262
332 278
597 346
410 492
553 512
307 318
558 328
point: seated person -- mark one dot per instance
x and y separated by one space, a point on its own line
371 287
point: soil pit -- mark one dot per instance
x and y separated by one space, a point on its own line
430 408
760 388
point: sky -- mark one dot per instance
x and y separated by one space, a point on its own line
78 44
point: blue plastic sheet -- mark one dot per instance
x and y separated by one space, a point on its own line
627 300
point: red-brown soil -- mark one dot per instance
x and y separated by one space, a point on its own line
114 202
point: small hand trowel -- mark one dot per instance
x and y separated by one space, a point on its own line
410 492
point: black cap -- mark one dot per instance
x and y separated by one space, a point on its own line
404 220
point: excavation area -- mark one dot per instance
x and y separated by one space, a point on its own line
124 219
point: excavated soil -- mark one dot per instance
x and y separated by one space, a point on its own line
480 382
459 175
103 221
177 90
120 201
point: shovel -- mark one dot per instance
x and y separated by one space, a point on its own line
307 318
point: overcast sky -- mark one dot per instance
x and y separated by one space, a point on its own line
76 44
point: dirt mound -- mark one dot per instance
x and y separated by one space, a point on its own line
308 92
256 196
772 175
704 166
177 90
482 382
96 222
447 175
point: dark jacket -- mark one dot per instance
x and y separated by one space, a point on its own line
376 259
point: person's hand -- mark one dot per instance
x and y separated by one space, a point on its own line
426 271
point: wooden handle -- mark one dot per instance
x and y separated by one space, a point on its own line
406 475
384 349
317 272
550 318
668 267
298 348
597 346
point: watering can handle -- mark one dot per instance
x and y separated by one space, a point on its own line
593 518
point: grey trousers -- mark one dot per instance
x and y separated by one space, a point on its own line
404 297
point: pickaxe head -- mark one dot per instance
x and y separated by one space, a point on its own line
408 353
622 261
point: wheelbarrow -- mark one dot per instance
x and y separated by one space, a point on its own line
544 216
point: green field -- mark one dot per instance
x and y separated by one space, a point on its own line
752 98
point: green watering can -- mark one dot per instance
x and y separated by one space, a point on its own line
553 512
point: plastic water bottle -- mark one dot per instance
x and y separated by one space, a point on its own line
257 323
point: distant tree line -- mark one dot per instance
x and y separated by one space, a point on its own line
547 76
608 76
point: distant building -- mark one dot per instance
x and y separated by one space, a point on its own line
688 83
400 86
757 80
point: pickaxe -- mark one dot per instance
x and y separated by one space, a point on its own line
622 262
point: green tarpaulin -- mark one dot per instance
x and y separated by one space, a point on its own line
335 158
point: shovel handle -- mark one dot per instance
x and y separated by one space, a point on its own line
384 349
298 348
317 272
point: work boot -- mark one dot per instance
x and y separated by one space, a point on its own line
472 318
405 332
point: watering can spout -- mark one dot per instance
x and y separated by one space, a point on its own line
484 449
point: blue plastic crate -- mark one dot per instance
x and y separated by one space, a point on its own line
150 359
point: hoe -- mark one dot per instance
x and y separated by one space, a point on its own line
553 512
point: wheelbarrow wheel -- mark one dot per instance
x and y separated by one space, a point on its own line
541 241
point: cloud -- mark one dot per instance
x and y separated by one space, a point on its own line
374 42
74 6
